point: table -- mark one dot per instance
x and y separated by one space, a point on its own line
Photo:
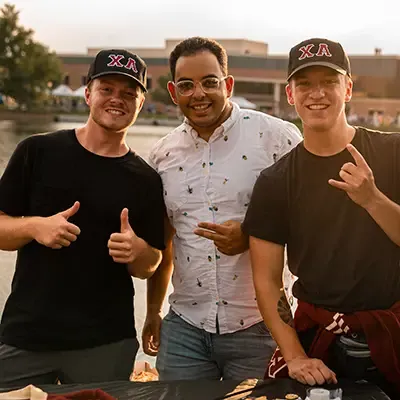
211 390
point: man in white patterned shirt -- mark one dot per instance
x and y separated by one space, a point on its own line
208 166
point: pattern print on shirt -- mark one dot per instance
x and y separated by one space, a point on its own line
167 154
275 157
208 189
180 169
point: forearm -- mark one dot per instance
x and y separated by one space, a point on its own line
386 214
144 266
268 296
157 287
16 232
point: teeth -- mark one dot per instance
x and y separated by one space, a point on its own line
317 106
115 112
202 107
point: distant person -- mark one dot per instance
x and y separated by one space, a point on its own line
333 201
208 166
86 214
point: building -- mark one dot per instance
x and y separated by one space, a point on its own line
260 77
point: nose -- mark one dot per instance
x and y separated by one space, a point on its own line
317 91
198 91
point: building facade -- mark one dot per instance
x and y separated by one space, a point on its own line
260 77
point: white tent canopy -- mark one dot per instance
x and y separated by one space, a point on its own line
243 103
62 91
80 92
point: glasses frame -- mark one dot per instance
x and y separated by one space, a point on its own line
195 83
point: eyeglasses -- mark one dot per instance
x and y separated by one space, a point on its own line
207 85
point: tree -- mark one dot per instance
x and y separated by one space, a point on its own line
161 93
26 67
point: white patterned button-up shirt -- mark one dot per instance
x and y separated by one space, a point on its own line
212 182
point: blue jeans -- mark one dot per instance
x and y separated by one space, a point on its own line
187 352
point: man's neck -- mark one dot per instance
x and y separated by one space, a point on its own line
328 143
100 141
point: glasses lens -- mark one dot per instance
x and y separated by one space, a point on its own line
210 85
185 88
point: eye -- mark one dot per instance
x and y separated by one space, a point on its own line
303 83
210 83
131 95
105 89
185 85
330 81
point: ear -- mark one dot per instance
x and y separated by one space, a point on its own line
289 94
229 83
87 96
172 92
349 90
142 102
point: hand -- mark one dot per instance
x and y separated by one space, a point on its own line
227 237
358 180
55 231
151 334
124 247
310 371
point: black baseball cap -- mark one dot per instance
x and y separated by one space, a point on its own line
121 62
317 51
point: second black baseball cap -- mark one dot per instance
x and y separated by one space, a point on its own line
321 52
120 62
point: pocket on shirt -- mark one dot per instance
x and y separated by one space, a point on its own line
176 189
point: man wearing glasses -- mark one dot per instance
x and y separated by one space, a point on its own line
209 165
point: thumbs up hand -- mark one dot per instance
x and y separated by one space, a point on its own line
55 231
124 247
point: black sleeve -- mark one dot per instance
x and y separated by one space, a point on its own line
152 220
15 182
267 215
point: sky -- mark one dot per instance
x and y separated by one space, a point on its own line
74 25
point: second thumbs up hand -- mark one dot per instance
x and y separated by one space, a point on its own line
124 247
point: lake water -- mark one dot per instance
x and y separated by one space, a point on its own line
140 138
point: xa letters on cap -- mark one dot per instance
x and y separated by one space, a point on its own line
323 50
116 62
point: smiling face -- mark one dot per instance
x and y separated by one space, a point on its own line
114 102
319 95
205 111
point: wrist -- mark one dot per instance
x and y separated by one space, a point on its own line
32 227
376 200
153 311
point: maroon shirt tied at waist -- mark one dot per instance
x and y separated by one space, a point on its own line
380 327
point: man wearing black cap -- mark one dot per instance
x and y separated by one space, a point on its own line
85 214
333 201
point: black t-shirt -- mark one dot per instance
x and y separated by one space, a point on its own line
75 297
343 259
